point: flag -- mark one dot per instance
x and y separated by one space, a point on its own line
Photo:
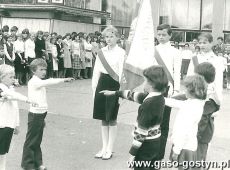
140 51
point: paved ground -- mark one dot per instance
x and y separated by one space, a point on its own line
72 137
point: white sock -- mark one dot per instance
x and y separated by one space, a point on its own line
105 137
112 137
2 162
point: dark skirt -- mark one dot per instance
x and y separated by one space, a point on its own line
106 107
19 63
5 139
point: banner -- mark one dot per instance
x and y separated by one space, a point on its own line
140 51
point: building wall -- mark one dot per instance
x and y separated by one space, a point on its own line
63 27
32 24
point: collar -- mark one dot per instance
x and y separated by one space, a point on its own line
36 77
107 48
152 94
165 44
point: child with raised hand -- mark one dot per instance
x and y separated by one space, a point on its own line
32 155
9 111
184 133
146 142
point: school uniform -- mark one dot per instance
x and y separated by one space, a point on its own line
60 57
106 107
32 155
39 46
9 51
172 59
146 135
184 133
19 56
9 117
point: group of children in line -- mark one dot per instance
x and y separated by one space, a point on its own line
70 55
192 130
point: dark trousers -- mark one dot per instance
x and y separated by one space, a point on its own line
32 154
164 132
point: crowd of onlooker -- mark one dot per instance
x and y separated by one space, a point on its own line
70 55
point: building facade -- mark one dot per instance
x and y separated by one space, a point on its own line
187 17
61 16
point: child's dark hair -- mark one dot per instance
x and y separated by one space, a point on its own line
157 77
37 62
207 70
196 86
165 26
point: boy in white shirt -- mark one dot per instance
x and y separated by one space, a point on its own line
32 155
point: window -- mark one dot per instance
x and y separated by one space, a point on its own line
207 9
183 14
227 15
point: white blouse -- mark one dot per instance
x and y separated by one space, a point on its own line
115 58
9 111
186 123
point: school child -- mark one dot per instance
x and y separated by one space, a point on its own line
54 58
206 124
9 51
88 57
9 111
60 50
184 133
146 142
32 155
76 59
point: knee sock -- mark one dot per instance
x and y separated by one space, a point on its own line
2 162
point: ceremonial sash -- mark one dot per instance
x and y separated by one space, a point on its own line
107 66
195 61
161 62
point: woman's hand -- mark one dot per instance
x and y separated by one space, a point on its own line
107 92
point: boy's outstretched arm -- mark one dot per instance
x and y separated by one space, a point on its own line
52 81
127 94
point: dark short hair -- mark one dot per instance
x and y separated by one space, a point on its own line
5 28
165 26
157 77
207 70
26 31
37 62
186 44
208 36
196 86
220 38
14 28
59 37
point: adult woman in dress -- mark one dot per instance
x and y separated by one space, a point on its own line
67 57
106 108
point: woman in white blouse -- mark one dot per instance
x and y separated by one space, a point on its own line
106 107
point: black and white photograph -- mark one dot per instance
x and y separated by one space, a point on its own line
114 84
